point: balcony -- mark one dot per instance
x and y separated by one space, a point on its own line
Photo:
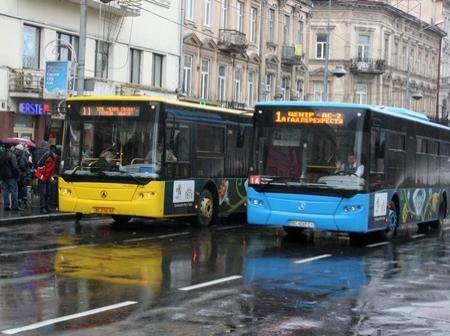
367 66
292 55
26 83
232 41
117 7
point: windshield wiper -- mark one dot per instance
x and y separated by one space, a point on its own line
137 180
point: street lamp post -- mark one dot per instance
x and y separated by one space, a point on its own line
82 48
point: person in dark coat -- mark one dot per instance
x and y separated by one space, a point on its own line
9 174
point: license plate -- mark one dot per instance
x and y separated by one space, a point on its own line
301 224
103 210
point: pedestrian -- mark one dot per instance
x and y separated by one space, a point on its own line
9 174
44 173
22 163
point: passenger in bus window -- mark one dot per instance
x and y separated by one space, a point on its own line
351 166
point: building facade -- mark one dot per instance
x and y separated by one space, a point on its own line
391 57
124 55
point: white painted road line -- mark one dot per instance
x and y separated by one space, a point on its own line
210 283
378 244
417 236
312 259
157 237
229 227
67 317
47 250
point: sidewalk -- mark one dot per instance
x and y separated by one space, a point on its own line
30 215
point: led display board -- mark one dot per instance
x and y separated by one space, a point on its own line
309 117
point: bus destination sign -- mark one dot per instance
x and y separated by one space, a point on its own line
110 111
300 117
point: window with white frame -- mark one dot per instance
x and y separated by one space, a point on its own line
363 48
204 79
101 59
207 13
135 66
253 24
237 85
189 10
300 28
223 14
271 32
157 73
31 46
361 93
187 74
321 45
298 88
251 88
64 50
286 24
285 88
269 86
222 84
318 91
240 16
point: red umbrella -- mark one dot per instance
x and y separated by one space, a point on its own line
23 141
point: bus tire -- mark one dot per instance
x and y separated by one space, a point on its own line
441 216
121 219
206 208
392 222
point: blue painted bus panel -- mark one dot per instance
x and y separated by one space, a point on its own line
327 213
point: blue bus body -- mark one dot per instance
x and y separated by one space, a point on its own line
294 183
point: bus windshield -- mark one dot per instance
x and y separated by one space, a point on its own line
308 147
120 140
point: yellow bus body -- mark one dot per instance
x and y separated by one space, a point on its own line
112 198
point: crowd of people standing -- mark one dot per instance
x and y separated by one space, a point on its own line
20 167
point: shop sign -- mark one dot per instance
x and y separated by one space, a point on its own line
34 108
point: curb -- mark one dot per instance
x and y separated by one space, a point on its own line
36 218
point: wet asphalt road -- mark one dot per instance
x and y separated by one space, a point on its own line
99 280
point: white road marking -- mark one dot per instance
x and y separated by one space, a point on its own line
63 248
302 261
417 236
156 237
378 244
229 227
47 250
67 317
446 229
210 283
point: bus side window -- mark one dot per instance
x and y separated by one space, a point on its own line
377 153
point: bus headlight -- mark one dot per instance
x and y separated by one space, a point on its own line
255 201
352 208
146 195
65 191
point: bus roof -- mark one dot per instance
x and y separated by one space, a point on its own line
389 110
159 100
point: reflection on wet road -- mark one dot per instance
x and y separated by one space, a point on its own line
171 279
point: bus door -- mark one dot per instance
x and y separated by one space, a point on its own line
178 149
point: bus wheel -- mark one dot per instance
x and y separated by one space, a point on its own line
205 214
121 219
441 216
392 222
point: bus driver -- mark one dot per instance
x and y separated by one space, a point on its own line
351 166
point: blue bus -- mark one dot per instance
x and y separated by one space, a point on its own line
347 167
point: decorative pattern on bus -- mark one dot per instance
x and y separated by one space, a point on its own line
419 204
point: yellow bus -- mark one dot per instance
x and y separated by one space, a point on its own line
154 158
